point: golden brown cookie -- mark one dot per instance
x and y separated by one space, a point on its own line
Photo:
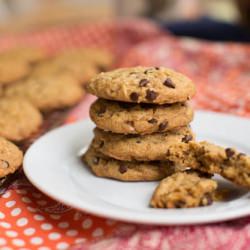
25 54
100 58
48 93
12 70
184 190
126 171
210 158
10 157
78 69
139 147
130 118
142 85
18 119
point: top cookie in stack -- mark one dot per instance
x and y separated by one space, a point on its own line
140 112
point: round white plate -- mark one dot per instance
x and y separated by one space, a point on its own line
53 165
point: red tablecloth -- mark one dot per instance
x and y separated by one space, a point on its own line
30 220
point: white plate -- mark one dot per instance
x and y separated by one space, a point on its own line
53 165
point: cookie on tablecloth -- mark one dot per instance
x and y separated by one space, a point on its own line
157 85
130 118
11 157
139 147
103 166
18 119
48 93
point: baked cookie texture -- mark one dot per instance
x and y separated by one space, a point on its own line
210 158
47 93
80 70
18 119
104 166
142 85
184 190
139 147
12 70
29 55
11 157
129 118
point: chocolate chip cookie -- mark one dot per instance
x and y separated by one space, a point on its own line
48 93
139 147
18 119
130 118
142 85
10 157
103 166
184 190
210 158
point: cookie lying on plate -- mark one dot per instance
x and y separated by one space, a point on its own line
18 119
142 85
103 166
139 147
10 157
47 93
130 118
184 190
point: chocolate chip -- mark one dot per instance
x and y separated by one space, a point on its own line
153 121
138 142
143 82
187 138
229 152
163 126
132 73
101 144
101 68
157 68
134 96
126 105
169 83
151 95
4 164
123 169
101 110
179 204
95 160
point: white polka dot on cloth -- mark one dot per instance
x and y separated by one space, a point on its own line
2 215
16 211
31 209
62 246
5 224
11 233
7 248
80 240
43 248
87 224
29 231
2 241
72 232
22 222
10 203
46 226
97 232
55 216
38 217
18 242
110 222
36 195
42 202
26 199
54 236
36 240
6 195
63 224
21 191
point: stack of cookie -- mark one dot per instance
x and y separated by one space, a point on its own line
140 113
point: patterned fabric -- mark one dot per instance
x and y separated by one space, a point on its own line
31 220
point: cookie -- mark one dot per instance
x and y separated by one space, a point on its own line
184 190
210 158
18 119
78 69
100 58
130 118
29 55
103 166
47 93
12 70
139 147
10 157
142 85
